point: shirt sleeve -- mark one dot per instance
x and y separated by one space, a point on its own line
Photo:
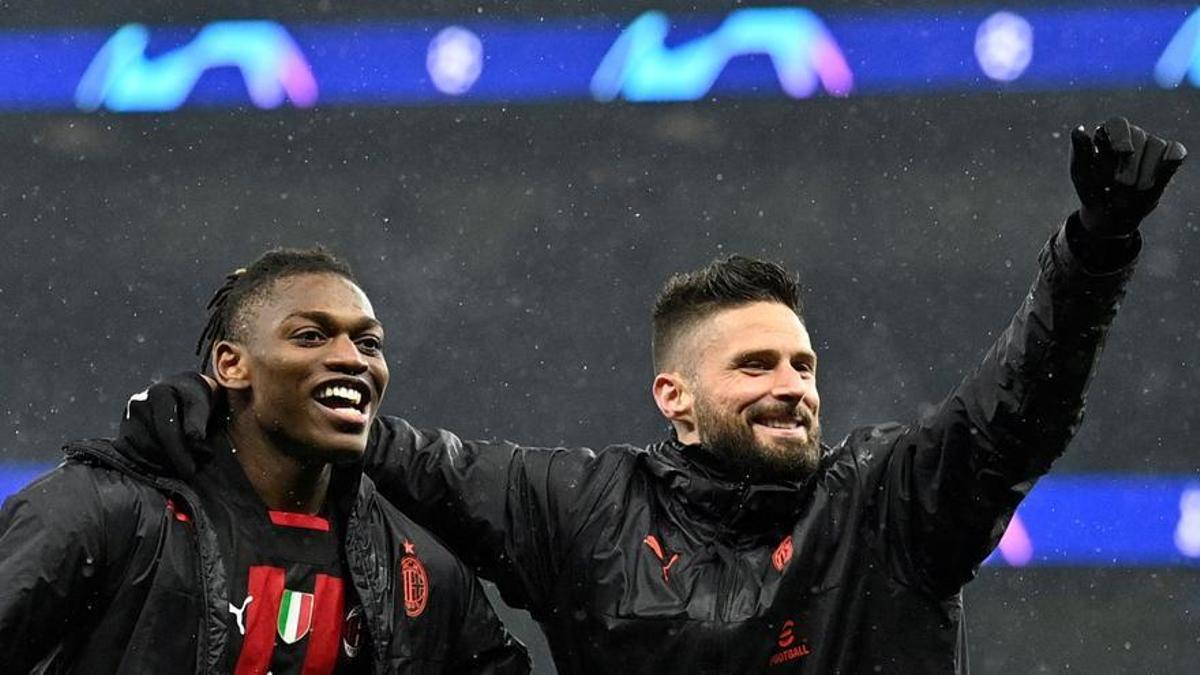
954 480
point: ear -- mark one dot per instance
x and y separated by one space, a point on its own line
676 402
230 365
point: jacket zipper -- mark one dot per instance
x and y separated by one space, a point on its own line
729 574
357 546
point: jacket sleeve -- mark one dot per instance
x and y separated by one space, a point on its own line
52 555
954 480
510 512
483 646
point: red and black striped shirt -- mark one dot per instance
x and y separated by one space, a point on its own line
292 609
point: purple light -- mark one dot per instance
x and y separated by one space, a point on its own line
832 68
1016 546
297 80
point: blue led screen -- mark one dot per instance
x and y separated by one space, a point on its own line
773 51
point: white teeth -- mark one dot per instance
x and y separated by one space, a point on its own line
781 424
351 395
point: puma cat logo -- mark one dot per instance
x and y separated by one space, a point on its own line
660 553
238 612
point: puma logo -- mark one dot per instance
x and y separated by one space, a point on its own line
143 395
659 552
238 612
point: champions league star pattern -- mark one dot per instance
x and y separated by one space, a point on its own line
756 52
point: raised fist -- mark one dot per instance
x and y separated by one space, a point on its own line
1120 173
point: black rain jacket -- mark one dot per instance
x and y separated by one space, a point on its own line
97 576
661 560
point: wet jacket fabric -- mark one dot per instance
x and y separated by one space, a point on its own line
108 564
659 559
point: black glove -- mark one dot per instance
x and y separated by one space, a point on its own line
166 424
1119 173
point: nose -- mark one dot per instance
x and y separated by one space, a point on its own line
790 384
344 356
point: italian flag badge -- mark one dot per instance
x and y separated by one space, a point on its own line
295 615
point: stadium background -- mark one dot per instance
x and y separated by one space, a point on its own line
513 251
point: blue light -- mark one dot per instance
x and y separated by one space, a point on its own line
1108 521
123 79
640 66
1182 56
14 476
748 52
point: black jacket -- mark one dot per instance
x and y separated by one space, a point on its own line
658 559
97 576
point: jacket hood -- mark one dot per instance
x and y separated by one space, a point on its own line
715 491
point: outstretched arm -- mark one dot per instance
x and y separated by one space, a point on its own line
955 479
509 511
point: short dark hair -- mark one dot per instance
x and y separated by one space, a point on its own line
248 286
689 297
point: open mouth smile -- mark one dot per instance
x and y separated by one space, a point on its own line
789 426
781 424
345 400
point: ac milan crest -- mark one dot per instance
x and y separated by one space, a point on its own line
783 554
416 582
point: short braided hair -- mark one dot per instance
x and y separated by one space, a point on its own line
248 286
689 297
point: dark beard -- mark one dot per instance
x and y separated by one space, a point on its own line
733 438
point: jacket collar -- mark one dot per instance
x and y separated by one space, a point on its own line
716 493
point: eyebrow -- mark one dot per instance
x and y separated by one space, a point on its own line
771 354
326 319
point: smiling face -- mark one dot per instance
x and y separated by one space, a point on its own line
309 367
749 390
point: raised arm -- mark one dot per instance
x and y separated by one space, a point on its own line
954 480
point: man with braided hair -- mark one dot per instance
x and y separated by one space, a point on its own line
741 544
262 549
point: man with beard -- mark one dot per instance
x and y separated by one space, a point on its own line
740 544
262 549
736 368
